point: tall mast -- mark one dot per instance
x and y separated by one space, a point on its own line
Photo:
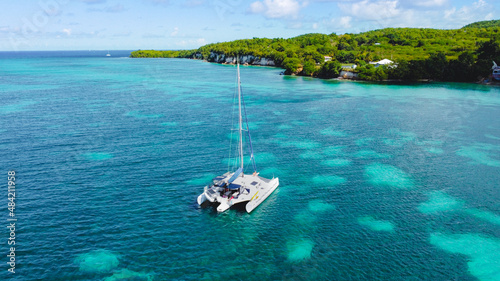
239 108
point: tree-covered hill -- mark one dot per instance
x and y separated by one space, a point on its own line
419 53
484 24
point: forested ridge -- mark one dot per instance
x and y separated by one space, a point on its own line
464 54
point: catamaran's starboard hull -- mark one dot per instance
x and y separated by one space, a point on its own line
255 202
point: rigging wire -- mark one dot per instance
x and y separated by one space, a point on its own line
233 160
252 158
230 161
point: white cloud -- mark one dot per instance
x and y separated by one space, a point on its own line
423 4
363 15
477 11
67 31
372 10
275 9
175 32
373 14
345 22
430 3
257 7
449 13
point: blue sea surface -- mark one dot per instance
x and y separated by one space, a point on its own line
377 181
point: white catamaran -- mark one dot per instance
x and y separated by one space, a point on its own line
238 188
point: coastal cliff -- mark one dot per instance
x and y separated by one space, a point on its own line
245 59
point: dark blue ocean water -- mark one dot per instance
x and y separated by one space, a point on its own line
377 181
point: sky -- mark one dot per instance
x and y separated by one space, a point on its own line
189 24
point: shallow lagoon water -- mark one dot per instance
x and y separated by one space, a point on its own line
99 261
483 252
379 174
375 224
439 201
376 181
337 162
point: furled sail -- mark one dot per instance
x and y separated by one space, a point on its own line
235 175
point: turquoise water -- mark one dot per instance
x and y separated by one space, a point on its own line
377 182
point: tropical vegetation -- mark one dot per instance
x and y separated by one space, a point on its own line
464 54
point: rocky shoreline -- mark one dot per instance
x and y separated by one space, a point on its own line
245 60
344 74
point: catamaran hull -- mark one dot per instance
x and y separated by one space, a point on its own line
496 76
223 206
201 199
258 199
496 72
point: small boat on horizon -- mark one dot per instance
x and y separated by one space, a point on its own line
237 188
108 54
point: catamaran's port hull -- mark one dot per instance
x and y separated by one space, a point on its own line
201 199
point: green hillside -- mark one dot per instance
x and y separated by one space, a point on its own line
484 24
420 53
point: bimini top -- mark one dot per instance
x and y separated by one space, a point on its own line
234 186
235 175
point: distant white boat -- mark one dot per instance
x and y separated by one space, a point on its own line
496 71
108 54
237 188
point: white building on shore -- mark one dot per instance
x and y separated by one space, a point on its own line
382 62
